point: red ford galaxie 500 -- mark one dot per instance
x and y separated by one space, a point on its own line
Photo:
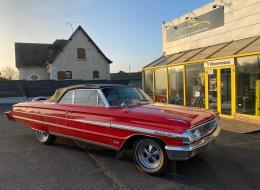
121 117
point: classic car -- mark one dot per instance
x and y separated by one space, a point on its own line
121 117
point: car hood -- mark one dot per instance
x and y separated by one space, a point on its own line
172 114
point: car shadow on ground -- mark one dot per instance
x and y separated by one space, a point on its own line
218 168
67 144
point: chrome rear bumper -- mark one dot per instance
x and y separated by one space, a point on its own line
187 151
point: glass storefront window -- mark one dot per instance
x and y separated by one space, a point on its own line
195 85
247 75
160 85
176 85
148 82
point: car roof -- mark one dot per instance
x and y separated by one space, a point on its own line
59 92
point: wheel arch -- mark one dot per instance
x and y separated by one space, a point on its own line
128 143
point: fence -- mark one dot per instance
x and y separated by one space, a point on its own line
20 88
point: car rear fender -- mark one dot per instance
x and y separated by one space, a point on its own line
9 116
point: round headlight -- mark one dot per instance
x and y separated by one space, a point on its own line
188 138
197 134
191 136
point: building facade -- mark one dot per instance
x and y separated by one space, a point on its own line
76 58
211 59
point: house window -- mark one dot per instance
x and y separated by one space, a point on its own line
34 77
61 75
95 74
68 75
81 53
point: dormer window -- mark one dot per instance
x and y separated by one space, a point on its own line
81 53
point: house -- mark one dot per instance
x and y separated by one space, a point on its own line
76 58
133 78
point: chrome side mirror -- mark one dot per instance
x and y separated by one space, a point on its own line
124 106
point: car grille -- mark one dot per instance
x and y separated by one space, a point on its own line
207 128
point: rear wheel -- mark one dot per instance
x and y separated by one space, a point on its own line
45 137
150 156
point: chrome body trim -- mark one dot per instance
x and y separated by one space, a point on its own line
204 123
97 123
68 128
148 131
37 130
86 141
38 114
105 124
187 151
34 120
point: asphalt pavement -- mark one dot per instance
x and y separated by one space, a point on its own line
232 163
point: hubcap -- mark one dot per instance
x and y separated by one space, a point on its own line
43 136
149 155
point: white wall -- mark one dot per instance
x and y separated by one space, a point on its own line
242 20
81 69
25 73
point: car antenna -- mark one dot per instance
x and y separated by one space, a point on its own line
21 90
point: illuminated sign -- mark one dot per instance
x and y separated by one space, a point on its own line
202 23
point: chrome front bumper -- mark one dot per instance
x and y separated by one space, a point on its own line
188 151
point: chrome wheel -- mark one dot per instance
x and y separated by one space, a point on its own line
45 137
149 154
42 136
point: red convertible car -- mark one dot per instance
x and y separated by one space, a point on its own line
121 117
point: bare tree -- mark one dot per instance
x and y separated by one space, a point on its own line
9 73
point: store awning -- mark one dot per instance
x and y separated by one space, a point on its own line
237 47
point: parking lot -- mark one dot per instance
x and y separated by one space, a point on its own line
232 163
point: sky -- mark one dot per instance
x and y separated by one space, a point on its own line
127 31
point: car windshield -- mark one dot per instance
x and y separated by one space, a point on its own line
129 95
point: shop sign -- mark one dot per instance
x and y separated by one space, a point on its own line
219 63
195 25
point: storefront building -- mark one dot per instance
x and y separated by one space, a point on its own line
211 60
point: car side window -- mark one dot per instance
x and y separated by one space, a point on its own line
67 98
87 97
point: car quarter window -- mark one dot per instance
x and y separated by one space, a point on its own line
87 97
67 98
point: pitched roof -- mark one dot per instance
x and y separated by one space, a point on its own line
36 54
121 75
92 41
29 54
55 49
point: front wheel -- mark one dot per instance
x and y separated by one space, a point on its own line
45 137
150 156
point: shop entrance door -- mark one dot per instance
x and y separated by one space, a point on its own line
219 89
